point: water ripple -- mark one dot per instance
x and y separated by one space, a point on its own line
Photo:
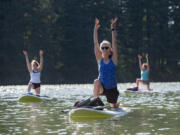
153 113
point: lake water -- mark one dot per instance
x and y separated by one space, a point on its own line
151 114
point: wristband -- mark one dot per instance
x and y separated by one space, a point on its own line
112 29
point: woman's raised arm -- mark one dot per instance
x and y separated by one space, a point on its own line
147 60
41 59
96 42
27 61
114 41
140 63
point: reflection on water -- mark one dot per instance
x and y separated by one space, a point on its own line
153 113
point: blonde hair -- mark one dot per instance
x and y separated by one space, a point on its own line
105 42
35 62
145 65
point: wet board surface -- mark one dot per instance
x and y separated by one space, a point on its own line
141 91
90 113
30 98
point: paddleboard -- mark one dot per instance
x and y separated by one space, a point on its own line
140 91
90 113
30 98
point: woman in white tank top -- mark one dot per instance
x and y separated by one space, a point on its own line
35 71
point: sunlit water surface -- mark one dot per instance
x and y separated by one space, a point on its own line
151 114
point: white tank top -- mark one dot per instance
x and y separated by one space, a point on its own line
35 77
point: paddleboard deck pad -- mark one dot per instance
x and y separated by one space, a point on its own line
90 113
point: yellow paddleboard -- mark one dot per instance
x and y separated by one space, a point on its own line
90 113
30 98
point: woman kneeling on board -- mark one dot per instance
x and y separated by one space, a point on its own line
144 73
35 70
106 57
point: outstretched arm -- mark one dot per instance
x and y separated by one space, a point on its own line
114 41
27 61
41 60
96 43
140 64
147 60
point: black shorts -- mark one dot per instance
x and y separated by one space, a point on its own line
111 95
36 85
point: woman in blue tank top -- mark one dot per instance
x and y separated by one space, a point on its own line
144 73
106 57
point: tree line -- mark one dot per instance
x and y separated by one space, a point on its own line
64 29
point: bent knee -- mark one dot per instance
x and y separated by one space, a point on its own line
97 83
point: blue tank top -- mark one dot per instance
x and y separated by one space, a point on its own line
107 74
144 75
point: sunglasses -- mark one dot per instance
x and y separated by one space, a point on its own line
35 65
105 48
